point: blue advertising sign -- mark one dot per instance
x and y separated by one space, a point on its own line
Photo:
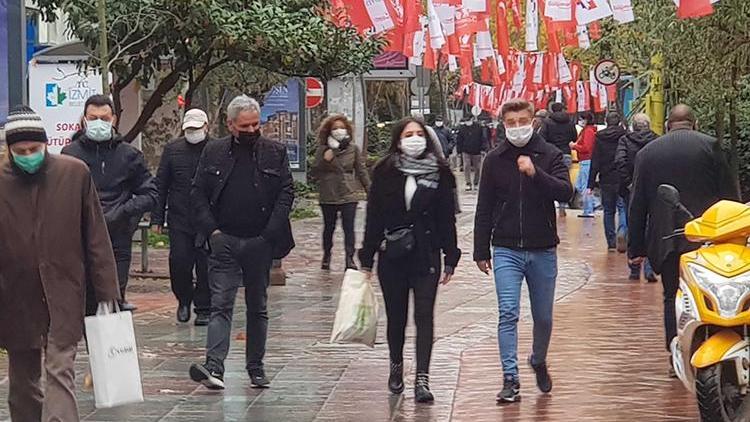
280 119
3 61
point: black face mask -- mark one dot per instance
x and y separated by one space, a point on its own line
248 138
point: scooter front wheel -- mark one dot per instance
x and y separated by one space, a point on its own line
719 396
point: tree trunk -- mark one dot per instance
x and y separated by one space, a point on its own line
734 137
154 102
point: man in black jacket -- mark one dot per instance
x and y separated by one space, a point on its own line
603 165
559 130
627 148
515 232
174 178
472 141
242 196
125 186
447 141
694 164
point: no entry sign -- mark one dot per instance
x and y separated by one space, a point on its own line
314 90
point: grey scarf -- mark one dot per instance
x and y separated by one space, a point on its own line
426 170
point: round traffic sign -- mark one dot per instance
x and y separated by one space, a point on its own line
607 72
476 110
314 92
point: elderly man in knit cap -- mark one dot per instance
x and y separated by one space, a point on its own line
54 239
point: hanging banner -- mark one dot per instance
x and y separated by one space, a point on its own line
371 15
582 92
584 41
592 11
475 6
559 10
437 38
279 119
58 93
532 25
622 10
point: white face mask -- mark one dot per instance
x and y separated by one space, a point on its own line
195 136
413 146
339 134
333 143
438 124
519 136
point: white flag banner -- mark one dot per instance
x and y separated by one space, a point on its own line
584 41
603 101
437 39
447 15
532 25
559 10
474 6
500 63
593 84
592 11
519 78
419 46
379 16
563 70
582 97
452 63
622 10
484 44
538 68
558 96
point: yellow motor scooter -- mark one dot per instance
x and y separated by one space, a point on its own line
711 353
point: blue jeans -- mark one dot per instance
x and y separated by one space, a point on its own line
582 183
613 203
511 266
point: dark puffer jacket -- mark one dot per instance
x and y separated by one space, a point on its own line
603 159
125 186
559 130
627 148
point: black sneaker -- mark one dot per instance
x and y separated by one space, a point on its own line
543 380
258 378
634 277
422 393
202 319
511 392
651 278
211 379
396 378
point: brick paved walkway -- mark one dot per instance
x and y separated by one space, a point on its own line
607 356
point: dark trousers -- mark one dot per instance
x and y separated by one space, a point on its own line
613 204
184 256
121 236
396 283
670 279
236 262
330 215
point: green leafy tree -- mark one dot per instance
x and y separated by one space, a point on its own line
163 43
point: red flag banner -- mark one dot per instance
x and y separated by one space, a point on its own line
694 8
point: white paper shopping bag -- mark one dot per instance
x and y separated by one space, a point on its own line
113 357
357 315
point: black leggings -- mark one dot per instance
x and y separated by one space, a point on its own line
396 284
330 215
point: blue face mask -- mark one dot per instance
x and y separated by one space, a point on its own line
98 130
30 163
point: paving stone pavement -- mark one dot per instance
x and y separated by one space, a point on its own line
607 355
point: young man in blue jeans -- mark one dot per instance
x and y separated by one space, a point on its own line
521 180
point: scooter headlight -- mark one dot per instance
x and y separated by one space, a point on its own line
728 293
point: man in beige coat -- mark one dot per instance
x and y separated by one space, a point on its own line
52 238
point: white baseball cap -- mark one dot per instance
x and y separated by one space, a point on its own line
194 119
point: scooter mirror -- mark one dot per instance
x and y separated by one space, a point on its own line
669 194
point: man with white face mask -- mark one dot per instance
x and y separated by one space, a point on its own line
515 233
125 186
179 160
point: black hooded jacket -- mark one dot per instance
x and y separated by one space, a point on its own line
603 159
559 130
125 186
627 148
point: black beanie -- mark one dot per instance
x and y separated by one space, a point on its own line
23 124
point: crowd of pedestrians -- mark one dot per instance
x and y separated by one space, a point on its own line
225 204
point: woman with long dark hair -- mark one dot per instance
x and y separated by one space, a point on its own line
338 167
410 221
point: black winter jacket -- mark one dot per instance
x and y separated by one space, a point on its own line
174 180
694 164
432 214
559 130
125 186
447 142
273 179
472 139
603 158
514 210
627 148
